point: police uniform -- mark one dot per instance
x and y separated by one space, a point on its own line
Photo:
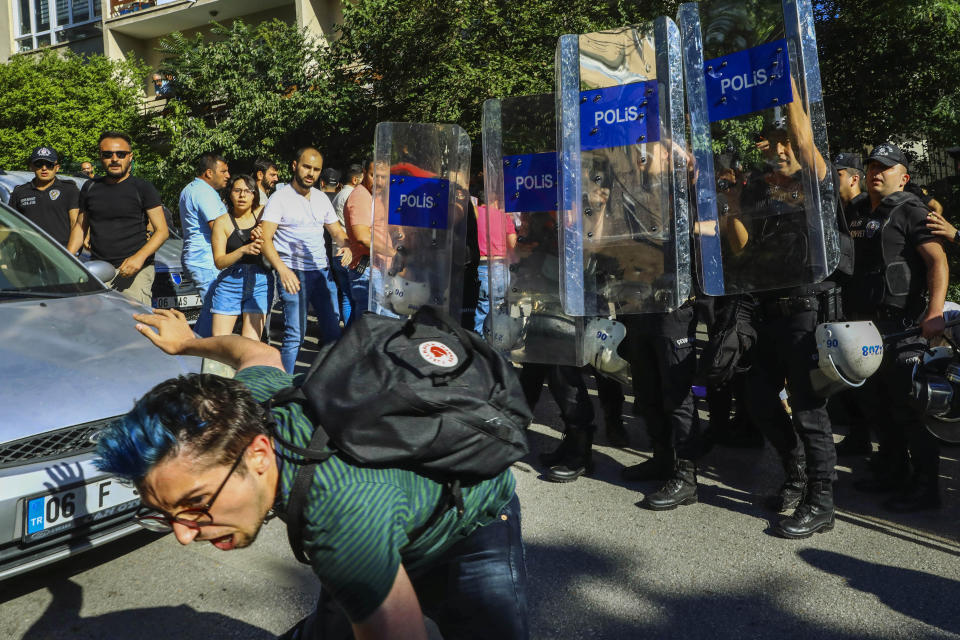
48 208
663 365
888 287
785 352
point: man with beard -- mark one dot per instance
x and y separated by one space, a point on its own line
774 210
49 202
293 242
265 173
116 209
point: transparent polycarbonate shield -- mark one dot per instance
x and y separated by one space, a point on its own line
764 194
526 321
420 204
623 171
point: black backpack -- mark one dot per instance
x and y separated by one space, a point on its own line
421 394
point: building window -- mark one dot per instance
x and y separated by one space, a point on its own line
41 22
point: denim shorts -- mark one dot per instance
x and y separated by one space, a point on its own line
242 288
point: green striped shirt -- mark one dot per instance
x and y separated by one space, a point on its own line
357 520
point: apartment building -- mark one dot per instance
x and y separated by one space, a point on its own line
122 28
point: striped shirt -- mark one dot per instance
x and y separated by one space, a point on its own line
357 519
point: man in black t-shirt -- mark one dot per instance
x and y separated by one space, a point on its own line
47 201
900 278
116 209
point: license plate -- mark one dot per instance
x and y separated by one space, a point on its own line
177 302
54 513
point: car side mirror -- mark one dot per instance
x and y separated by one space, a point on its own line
102 269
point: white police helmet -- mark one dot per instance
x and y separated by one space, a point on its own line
848 352
403 296
501 330
601 338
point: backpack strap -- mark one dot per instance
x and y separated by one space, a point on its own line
293 516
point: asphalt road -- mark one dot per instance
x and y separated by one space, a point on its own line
599 566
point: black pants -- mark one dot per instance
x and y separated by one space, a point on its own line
885 400
567 386
663 364
786 352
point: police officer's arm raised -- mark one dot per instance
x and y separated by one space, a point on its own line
932 323
801 134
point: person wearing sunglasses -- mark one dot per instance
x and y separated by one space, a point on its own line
47 201
244 285
116 208
208 469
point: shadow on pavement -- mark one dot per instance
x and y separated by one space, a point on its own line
62 620
922 596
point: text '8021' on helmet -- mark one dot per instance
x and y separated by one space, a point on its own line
848 353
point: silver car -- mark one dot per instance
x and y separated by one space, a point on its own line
70 362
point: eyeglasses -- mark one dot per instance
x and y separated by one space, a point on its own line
241 192
42 164
191 518
106 155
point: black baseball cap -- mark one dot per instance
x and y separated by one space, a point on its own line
888 154
46 154
330 177
848 161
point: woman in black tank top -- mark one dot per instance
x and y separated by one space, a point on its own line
243 284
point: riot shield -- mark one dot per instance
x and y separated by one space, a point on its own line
623 171
765 203
526 321
420 204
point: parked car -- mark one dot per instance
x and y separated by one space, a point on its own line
71 361
172 287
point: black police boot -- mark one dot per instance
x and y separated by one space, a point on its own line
814 515
923 494
659 467
791 492
681 489
577 456
550 458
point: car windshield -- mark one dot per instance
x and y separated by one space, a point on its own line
32 265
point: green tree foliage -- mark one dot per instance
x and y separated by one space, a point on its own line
248 91
66 101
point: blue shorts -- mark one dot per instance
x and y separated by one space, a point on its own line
242 288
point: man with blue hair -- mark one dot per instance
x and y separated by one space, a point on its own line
207 466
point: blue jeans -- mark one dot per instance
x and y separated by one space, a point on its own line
499 275
475 589
318 290
342 278
203 278
359 293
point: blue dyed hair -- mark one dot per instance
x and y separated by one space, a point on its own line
204 415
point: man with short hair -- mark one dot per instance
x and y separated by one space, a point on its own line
207 467
850 169
86 169
293 242
116 209
49 202
352 178
900 277
200 206
265 173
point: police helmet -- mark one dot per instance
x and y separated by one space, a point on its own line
601 338
848 353
404 296
502 331
936 392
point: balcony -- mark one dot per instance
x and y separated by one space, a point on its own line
147 19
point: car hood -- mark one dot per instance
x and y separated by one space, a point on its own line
73 360
167 257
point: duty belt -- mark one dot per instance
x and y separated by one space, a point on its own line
783 307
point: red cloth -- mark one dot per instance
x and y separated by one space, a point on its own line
501 226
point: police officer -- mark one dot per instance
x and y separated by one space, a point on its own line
775 218
663 364
49 202
901 275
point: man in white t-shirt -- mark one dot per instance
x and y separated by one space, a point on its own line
293 224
